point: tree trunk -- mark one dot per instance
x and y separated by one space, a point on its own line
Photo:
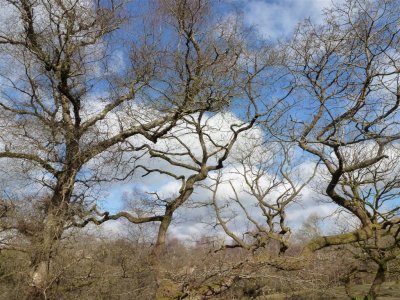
52 230
36 290
164 288
378 281
159 247
42 255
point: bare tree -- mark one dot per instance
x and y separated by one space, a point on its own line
197 146
90 94
348 71
72 97
249 200
271 184
378 189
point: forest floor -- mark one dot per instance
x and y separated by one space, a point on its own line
389 291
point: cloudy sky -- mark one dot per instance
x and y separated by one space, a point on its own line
273 19
278 18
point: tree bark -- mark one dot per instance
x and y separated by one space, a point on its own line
164 288
53 228
379 279
42 254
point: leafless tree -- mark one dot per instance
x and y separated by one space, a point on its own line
271 185
198 145
255 188
74 93
378 188
91 94
347 73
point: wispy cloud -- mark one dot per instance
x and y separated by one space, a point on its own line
277 19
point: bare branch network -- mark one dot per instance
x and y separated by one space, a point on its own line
238 137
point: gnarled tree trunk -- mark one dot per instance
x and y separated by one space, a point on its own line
379 279
52 230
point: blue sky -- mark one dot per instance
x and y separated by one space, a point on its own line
278 18
272 19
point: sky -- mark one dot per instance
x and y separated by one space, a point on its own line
278 18
274 20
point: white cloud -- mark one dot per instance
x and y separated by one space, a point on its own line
277 19
273 19
191 222
9 19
